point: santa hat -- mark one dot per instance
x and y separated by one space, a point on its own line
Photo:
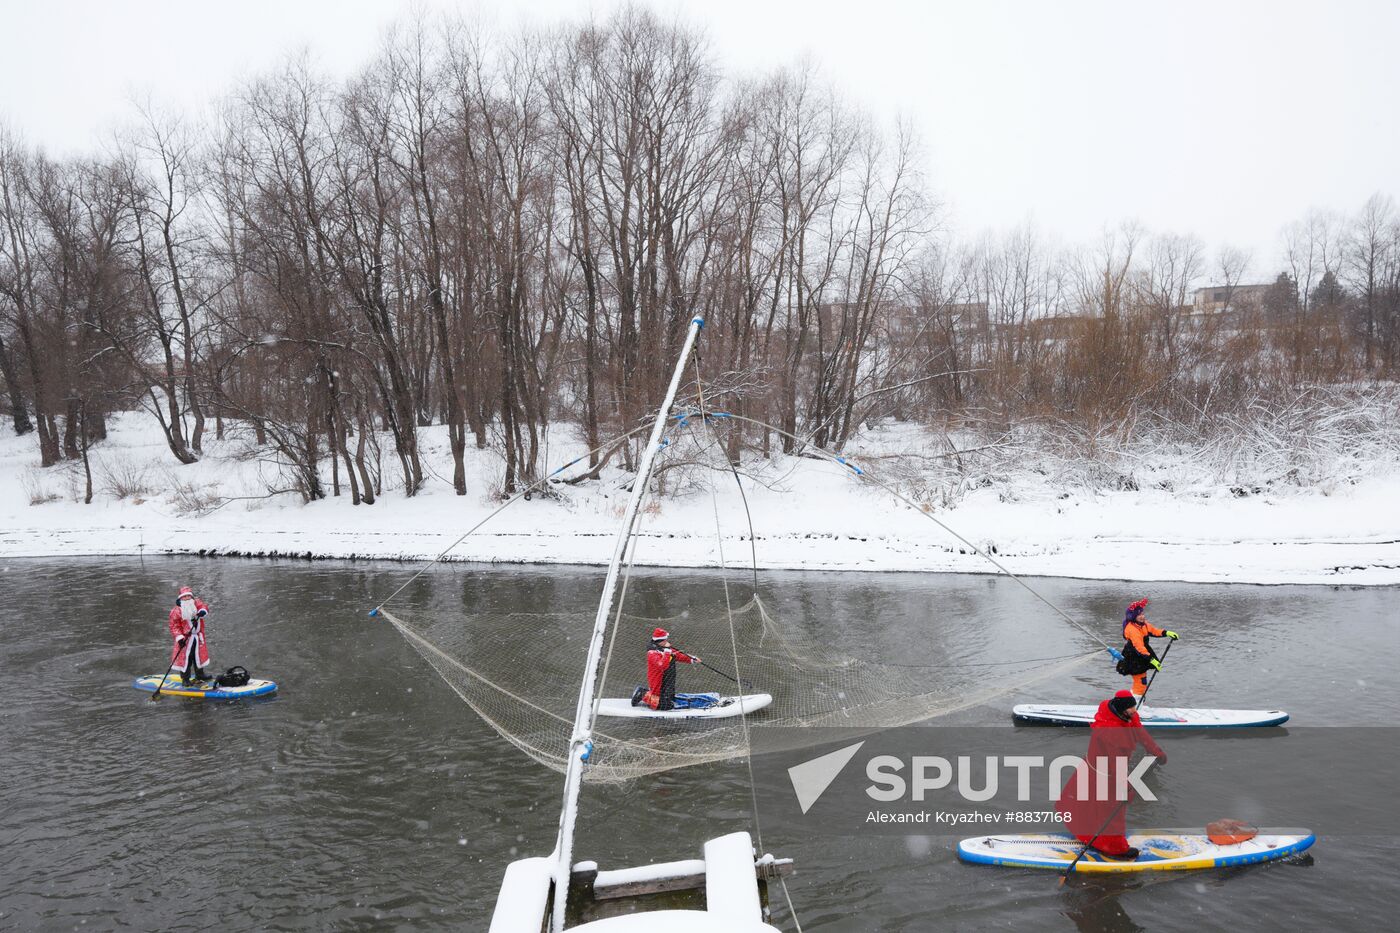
1122 702
659 634
185 591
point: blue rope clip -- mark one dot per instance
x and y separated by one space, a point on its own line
566 466
587 751
373 613
698 320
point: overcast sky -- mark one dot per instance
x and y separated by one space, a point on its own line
1226 119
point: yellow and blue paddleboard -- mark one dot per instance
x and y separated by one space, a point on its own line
204 691
1158 850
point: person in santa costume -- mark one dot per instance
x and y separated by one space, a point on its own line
190 655
660 690
1114 735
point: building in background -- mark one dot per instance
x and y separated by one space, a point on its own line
1215 299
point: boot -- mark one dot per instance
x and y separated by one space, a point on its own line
637 696
1130 855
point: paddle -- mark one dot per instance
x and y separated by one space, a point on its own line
160 686
722 673
1124 802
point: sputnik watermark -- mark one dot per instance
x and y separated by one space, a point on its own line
916 778
935 773
946 818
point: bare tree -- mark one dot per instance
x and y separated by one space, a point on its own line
1171 272
1370 255
19 285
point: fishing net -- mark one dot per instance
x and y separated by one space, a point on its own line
521 673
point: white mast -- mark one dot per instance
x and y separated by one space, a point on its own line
581 742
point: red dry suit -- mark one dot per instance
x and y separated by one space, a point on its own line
193 633
661 676
1115 740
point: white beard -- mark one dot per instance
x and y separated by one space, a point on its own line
187 610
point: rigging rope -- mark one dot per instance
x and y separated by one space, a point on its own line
537 484
838 459
626 579
705 417
729 616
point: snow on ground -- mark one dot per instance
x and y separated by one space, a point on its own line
808 514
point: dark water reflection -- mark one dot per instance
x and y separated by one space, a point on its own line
367 796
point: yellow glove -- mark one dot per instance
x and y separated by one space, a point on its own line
1173 635
1155 663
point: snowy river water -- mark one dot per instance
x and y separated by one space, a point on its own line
366 795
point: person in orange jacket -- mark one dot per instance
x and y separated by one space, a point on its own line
1114 735
1138 655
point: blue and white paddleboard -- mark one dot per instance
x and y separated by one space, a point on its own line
1158 850
204 691
726 707
1157 717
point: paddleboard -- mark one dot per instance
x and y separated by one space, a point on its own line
727 706
1158 850
209 691
1158 717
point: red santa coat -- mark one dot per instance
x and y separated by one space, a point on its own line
659 661
193 633
661 676
1114 740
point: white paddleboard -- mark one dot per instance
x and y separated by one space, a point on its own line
1158 717
727 706
1158 850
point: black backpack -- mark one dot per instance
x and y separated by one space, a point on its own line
235 676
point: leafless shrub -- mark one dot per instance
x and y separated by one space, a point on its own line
36 490
125 479
189 499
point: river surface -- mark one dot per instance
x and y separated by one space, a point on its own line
366 795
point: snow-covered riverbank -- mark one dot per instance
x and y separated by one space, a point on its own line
811 515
